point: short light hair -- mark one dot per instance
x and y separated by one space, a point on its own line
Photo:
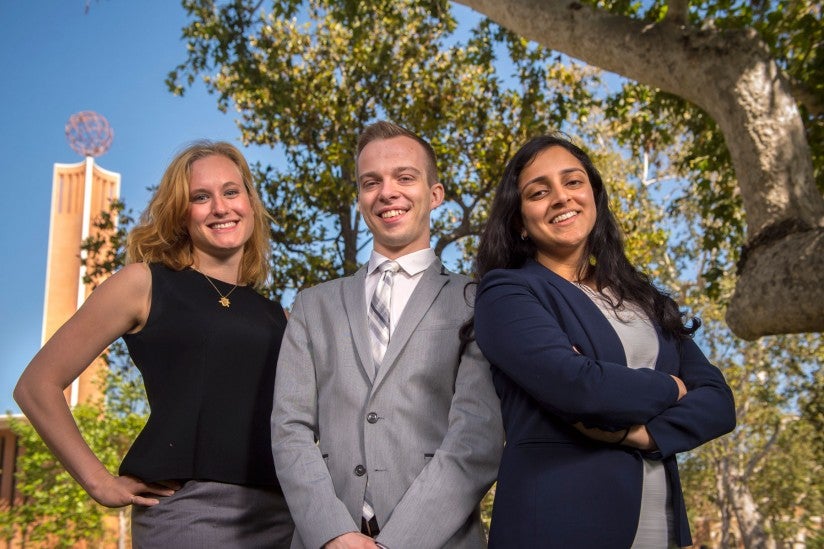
387 130
162 236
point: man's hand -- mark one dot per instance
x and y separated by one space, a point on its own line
351 540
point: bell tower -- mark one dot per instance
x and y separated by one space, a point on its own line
80 193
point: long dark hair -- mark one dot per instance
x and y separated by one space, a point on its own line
604 261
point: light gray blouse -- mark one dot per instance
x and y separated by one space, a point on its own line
640 342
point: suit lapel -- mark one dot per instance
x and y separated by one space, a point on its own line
602 337
354 299
428 288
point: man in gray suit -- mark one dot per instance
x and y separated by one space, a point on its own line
387 443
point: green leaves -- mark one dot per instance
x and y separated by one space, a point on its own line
53 509
104 251
773 459
307 78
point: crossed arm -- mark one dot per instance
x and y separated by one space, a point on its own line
655 410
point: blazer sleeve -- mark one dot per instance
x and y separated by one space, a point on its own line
706 412
447 491
318 513
522 337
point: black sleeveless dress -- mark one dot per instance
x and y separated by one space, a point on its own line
209 373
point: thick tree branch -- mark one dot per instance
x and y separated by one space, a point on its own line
807 97
731 76
780 289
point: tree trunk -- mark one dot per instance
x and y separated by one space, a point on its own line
724 508
349 224
730 75
121 529
737 495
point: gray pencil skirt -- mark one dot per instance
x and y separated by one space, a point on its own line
213 514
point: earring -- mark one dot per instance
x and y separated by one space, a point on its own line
524 236
592 260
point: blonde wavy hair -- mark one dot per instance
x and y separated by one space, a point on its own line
161 235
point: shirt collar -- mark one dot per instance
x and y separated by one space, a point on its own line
411 264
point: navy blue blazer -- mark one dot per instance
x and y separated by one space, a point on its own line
556 487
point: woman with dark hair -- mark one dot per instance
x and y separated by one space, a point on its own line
601 384
201 472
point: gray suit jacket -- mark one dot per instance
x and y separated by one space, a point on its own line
426 431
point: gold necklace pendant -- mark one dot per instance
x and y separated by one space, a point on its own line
224 299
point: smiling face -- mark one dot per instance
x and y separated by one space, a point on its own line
557 209
395 197
220 216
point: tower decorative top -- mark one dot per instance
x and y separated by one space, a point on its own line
89 133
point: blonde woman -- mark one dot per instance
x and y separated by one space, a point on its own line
200 474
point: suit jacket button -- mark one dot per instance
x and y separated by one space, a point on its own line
372 417
360 470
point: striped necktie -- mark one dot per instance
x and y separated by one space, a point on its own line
379 309
378 316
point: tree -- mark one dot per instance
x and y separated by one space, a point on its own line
765 477
53 508
307 77
745 482
756 69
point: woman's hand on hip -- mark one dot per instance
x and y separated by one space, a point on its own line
119 491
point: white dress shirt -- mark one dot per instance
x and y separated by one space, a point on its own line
412 267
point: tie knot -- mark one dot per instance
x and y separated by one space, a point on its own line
391 266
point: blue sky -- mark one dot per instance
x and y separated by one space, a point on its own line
55 60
